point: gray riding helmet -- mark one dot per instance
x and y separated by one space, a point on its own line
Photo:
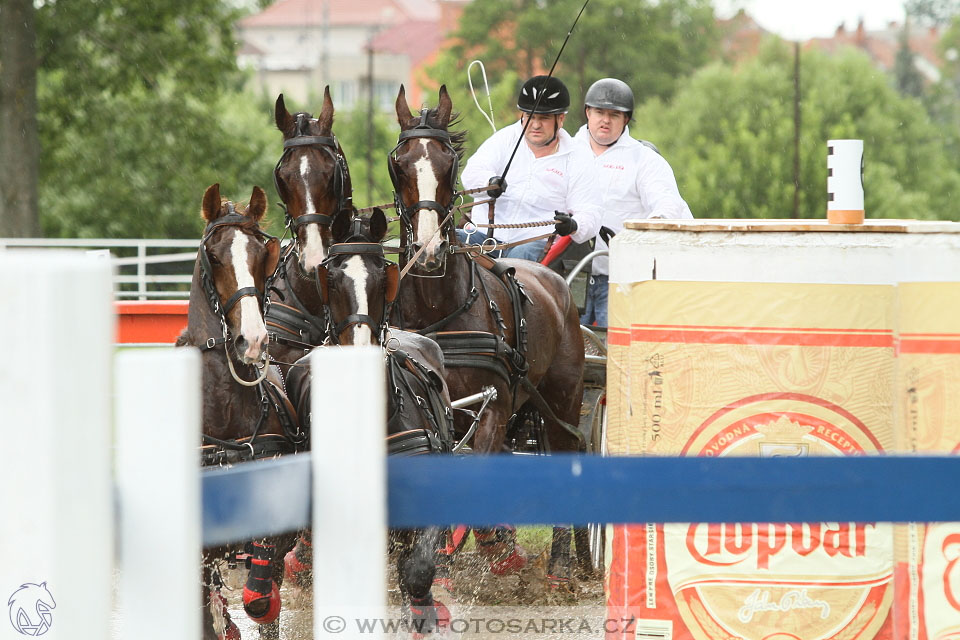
610 93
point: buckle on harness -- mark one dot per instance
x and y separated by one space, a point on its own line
211 343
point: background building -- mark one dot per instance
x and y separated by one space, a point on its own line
299 46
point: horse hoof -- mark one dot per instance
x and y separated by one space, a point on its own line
262 609
296 571
513 563
559 583
218 606
432 620
232 632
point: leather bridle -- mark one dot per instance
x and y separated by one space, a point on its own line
391 282
329 145
422 130
232 219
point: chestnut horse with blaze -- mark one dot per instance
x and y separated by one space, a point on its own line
512 324
245 414
313 180
358 285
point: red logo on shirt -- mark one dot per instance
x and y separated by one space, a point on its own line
556 171
619 167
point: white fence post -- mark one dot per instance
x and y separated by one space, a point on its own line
158 478
349 487
56 511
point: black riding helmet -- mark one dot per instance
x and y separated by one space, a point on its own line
556 98
610 93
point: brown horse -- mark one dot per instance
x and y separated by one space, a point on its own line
313 180
512 324
244 416
358 286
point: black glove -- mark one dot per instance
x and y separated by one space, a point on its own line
498 186
565 223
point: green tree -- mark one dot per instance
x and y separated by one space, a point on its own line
649 45
909 80
728 134
140 109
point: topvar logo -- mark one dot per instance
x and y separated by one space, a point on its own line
30 607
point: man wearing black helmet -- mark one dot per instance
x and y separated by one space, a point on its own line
631 178
549 172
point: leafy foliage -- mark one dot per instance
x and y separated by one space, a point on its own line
649 45
140 110
728 133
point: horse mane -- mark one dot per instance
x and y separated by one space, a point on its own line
457 138
241 208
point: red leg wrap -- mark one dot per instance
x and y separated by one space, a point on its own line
262 609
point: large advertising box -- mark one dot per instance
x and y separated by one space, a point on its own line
758 339
928 555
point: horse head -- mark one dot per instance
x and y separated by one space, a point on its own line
423 167
312 178
357 284
236 257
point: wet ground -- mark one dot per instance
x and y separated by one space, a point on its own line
481 606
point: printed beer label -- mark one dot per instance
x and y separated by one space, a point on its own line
769 370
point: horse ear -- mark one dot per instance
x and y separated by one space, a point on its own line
285 121
378 225
393 282
210 210
445 107
403 110
340 229
258 204
273 257
325 121
322 285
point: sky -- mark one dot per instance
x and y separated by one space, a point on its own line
804 19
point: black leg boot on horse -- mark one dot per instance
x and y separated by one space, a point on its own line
261 595
416 568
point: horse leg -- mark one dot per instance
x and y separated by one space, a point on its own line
499 544
562 389
298 563
216 622
416 568
261 595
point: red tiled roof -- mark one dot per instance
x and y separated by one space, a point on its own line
416 38
882 46
298 13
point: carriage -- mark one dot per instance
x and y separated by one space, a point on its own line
333 284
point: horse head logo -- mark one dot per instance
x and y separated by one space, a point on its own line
30 607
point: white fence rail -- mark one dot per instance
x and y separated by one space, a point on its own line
145 269
86 494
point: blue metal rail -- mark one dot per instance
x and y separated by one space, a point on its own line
255 499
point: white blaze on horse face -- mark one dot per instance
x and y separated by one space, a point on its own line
428 221
313 252
251 322
357 272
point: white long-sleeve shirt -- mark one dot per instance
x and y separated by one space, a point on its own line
631 181
536 187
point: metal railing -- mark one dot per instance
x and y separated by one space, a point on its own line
143 269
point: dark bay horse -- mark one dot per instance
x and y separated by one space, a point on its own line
512 324
313 180
244 415
358 286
